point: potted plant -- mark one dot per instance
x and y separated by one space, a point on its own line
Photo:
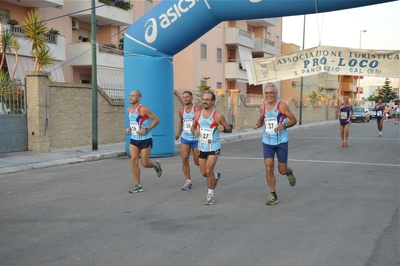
54 31
124 5
12 22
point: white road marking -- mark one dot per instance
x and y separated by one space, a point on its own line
314 161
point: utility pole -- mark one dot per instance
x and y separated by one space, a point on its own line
94 79
301 83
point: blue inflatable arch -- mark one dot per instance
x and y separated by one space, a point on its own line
152 41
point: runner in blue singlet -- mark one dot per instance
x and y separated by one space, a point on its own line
380 115
141 121
345 112
276 117
206 125
189 142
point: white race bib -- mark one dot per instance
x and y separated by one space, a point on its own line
343 115
271 125
134 127
187 124
379 112
206 135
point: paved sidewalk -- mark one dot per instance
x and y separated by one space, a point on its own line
27 160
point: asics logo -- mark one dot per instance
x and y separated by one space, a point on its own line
170 16
166 19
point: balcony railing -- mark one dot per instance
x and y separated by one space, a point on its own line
50 38
236 36
265 46
234 71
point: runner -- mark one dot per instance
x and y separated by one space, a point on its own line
189 142
345 112
380 115
207 124
276 117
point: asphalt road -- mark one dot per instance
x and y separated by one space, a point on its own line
344 209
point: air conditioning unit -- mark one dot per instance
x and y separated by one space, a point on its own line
75 24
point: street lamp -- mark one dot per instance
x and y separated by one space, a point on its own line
358 80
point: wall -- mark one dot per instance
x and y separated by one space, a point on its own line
70 119
66 109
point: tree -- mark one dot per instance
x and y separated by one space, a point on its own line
45 58
35 32
203 88
387 93
16 47
6 42
317 94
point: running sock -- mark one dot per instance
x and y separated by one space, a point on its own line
273 193
211 192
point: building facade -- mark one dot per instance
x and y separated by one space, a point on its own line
220 54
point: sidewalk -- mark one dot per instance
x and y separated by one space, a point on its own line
27 160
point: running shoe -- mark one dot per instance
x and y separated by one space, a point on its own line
187 186
346 144
136 189
210 200
272 200
158 169
291 178
342 143
217 176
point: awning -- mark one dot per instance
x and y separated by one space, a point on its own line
245 55
111 80
27 63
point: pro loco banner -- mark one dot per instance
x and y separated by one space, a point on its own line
325 59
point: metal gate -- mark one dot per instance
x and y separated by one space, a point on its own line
13 118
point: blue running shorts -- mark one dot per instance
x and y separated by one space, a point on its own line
192 143
281 151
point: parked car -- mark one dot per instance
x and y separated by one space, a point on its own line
360 114
372 113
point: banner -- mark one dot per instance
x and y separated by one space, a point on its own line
326 60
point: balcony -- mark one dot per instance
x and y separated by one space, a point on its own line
56 43
37 3
236 36
266 22
262 45
106 56
349 87
105 15
234 71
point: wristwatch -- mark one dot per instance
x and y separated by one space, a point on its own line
285 125
147 130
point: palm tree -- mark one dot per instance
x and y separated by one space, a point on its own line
16 47
317 94
35 30
45 58
6 41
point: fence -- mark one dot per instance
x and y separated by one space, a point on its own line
12 99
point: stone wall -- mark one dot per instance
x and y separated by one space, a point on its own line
70 119
60 114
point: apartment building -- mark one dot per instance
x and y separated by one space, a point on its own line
220 54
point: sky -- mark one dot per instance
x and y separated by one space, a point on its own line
342 28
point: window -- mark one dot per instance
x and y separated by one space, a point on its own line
268 36
85 79
219 85
277 41
203 82
219 55
203 51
